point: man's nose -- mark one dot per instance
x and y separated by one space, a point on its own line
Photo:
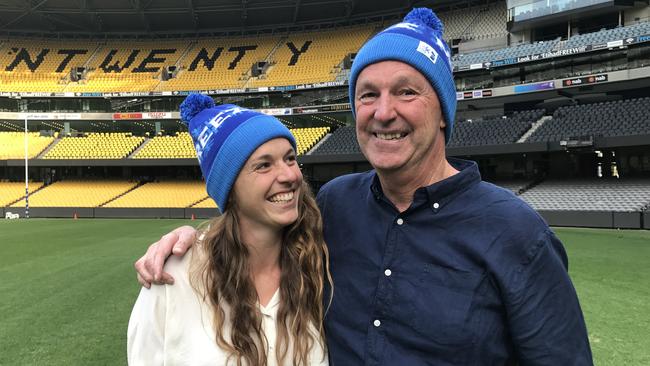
385 108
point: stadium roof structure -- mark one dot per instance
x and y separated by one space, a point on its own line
190 18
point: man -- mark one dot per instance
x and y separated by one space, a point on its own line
431 266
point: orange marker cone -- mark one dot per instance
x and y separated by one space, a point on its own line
74 216
193 217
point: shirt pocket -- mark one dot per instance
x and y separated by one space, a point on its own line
440 309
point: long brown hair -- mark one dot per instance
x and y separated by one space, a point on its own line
223 277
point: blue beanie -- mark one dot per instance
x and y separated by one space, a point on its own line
225 136
416 41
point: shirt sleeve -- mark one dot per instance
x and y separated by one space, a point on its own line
146 331
544 315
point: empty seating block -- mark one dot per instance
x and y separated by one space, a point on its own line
168 147
478 22
590 195
12 144
616 118
306 138
220 63
41 66
311 57
342 141
95 146
133 66
495 130
606 35
13 191
163 194
77 194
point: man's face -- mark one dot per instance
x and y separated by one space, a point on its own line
399 121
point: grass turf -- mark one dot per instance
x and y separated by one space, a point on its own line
67 288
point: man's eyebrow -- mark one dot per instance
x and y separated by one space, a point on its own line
364 84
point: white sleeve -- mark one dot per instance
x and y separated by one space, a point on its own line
146 332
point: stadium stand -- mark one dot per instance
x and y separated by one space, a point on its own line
77 193
485 22
180 146
615 118
167 147
41 66
220 63
306 138
97 145
311 57
12 144
13 191
157 194
505 53
342 141
599 37
622 195
494 130
135 68
606 35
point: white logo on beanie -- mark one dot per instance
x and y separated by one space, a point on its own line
411 26
428 51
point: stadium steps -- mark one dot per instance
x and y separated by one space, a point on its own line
140 184
88 62
178 65
199 201
137 149
530 186
47 149
269 59
534 128
318 144
23 196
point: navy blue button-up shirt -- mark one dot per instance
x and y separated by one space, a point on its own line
467 275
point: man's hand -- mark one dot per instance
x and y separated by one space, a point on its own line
150 266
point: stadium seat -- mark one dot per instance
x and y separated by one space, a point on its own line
72 193
157 194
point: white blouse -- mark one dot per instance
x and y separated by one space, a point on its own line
172 325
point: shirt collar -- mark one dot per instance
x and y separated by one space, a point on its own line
444 190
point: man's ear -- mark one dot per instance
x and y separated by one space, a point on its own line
442 124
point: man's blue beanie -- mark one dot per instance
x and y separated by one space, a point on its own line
416 41
225 136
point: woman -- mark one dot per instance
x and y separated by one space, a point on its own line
251 292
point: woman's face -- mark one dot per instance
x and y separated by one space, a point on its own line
267 189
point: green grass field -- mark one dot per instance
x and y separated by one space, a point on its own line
67 288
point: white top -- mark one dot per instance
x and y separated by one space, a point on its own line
172 325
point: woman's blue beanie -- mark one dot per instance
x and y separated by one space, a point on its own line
225 136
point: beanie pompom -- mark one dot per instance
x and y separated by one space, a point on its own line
425 16
193 105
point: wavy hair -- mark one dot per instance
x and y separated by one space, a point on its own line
223 277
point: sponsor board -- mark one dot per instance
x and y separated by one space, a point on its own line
474 94
584 80
276 111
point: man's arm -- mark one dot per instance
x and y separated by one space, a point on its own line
545 318
150 266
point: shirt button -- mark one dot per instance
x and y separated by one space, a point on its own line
388 272
376 323
400 221
436 205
